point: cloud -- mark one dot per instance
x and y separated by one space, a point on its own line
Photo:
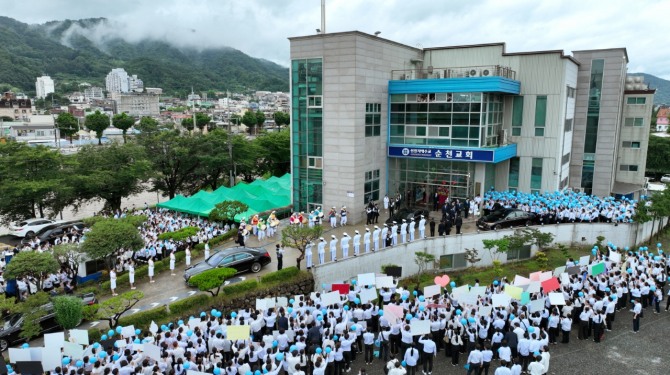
260 28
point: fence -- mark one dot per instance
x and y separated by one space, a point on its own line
403 255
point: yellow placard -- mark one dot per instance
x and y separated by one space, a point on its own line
238 332
513 291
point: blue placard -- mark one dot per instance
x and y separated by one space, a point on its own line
464 154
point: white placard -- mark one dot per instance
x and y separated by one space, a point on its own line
120 344
368 295
270 302
260 304
500 300
565 279
19 355
544 276
431 290
313 296
365 279
384 282
79 336
191 372
534 287
152 351
74 351
520 280
51 359
478 290
556 299
332 298
468 299
54 341
559 270
585 260
615 257
153 328
128 332
194 323
537 305
282 302
457 292
36 354
485 310
419 327
297 299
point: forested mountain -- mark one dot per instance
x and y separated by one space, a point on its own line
28 51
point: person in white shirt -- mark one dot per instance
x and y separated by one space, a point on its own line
411 359
535 367
637 311
503 369
545 359
429 352
475 360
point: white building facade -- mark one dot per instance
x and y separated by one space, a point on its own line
117 81
44 86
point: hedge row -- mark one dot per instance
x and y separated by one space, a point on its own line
281 275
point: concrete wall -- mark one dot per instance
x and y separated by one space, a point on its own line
403 255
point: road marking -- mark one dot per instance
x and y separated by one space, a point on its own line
154 304
192 293
133 311
172 299
93 324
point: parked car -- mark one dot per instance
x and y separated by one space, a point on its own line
407 214
505 218
240 258
665 178
28 228
53 231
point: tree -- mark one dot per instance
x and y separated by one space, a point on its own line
69 256
227 210
112 309
67 125
275 155
260 120
31 264
111 173
658 154
32 310
108 236
187 123
179 235
69 311
210 279
298 237
245 157
214 160
496 247
124 122
281 118
201 120
174 160
147 125
472 256
97 122
249 119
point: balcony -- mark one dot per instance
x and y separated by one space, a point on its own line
454 72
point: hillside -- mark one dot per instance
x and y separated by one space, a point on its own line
661 85
28 51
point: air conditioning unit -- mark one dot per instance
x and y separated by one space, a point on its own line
473 73
504 137
437 75
486 72
402 77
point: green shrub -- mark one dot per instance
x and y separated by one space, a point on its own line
179 235
212 279
240 287
89 312
280 275
69 311
199 300
144 318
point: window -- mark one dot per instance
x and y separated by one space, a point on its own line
540 115
565 159
315 101
568 124
371 188
517 115
628 168
633 121
513 181
564 183
636 100
631 144
315 162
453 261
373 119
536 174
519 254
571 92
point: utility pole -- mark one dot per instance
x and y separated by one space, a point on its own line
323 16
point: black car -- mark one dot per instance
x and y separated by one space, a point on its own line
11 328
505 218
51 232
240 258
407 214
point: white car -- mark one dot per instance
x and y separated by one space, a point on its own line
665 178
28 228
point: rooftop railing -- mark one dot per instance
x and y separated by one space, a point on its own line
454 72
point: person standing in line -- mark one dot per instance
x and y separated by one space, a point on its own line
386 203
207 250
432 227
475 360
343 216
188 256
357 242
172 261
321 250
112 281
391 208
458 223
411 228
131 275
394 234
333 248
280 257
637 311
384 234
308 255
366 240
422 228
375 239
150 271
368 215
344 244
375 213
429 353
403 231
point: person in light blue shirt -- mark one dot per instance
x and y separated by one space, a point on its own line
411 360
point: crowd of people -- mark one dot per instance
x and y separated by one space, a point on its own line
307 335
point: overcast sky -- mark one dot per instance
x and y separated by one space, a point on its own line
260 28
